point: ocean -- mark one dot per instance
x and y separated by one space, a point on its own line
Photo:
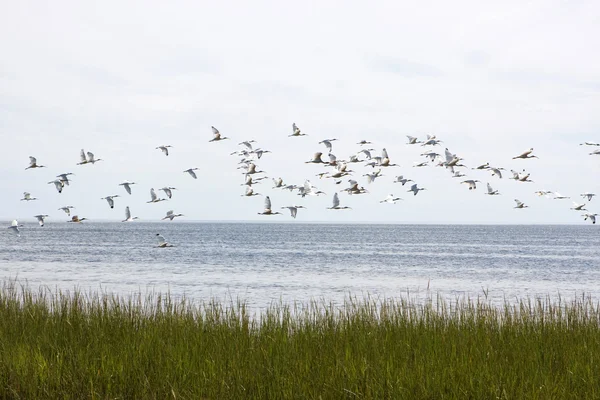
268 263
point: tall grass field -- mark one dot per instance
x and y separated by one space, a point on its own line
72 345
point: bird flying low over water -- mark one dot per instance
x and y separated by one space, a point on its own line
14 227
128 217
66 209
336 204
162 242
75 218
40 218
591 217
268 210
170 215
293 210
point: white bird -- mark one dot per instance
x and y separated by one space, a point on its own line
128 217
496 172
278 183
526 154
191 172
412 140
14 226
293 210
541 193
162 242
90 158
27 197
165 148
259 152
578 207
65 177
41 218
363 142
170 215
588 195
415 189
33 163
458 174
66 209
168 191
401 179
491 191
520 204
109 200
595 153
296 131
371 177
308 190
58 184
268 210
589 144
127 186
558 196
316 159
471 183
592 217
250 192
432 141
390 199
153 197
216 135
421 164
327 143
483 166
336 204
247 143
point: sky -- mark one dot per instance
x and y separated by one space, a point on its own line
120 78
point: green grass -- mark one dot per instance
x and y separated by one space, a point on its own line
78 346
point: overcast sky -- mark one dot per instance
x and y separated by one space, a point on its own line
120 78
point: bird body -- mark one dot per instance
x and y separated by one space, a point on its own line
293 210
216 135
154 198
109 200
192 173
40 218
127 186
165 148
336 204
128 217
525 155
170 215
27 197
520 204
33 163
390 199
268 210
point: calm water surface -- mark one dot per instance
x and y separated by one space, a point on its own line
265 263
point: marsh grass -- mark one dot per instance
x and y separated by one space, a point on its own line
73 345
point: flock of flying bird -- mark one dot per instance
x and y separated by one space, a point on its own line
337 170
